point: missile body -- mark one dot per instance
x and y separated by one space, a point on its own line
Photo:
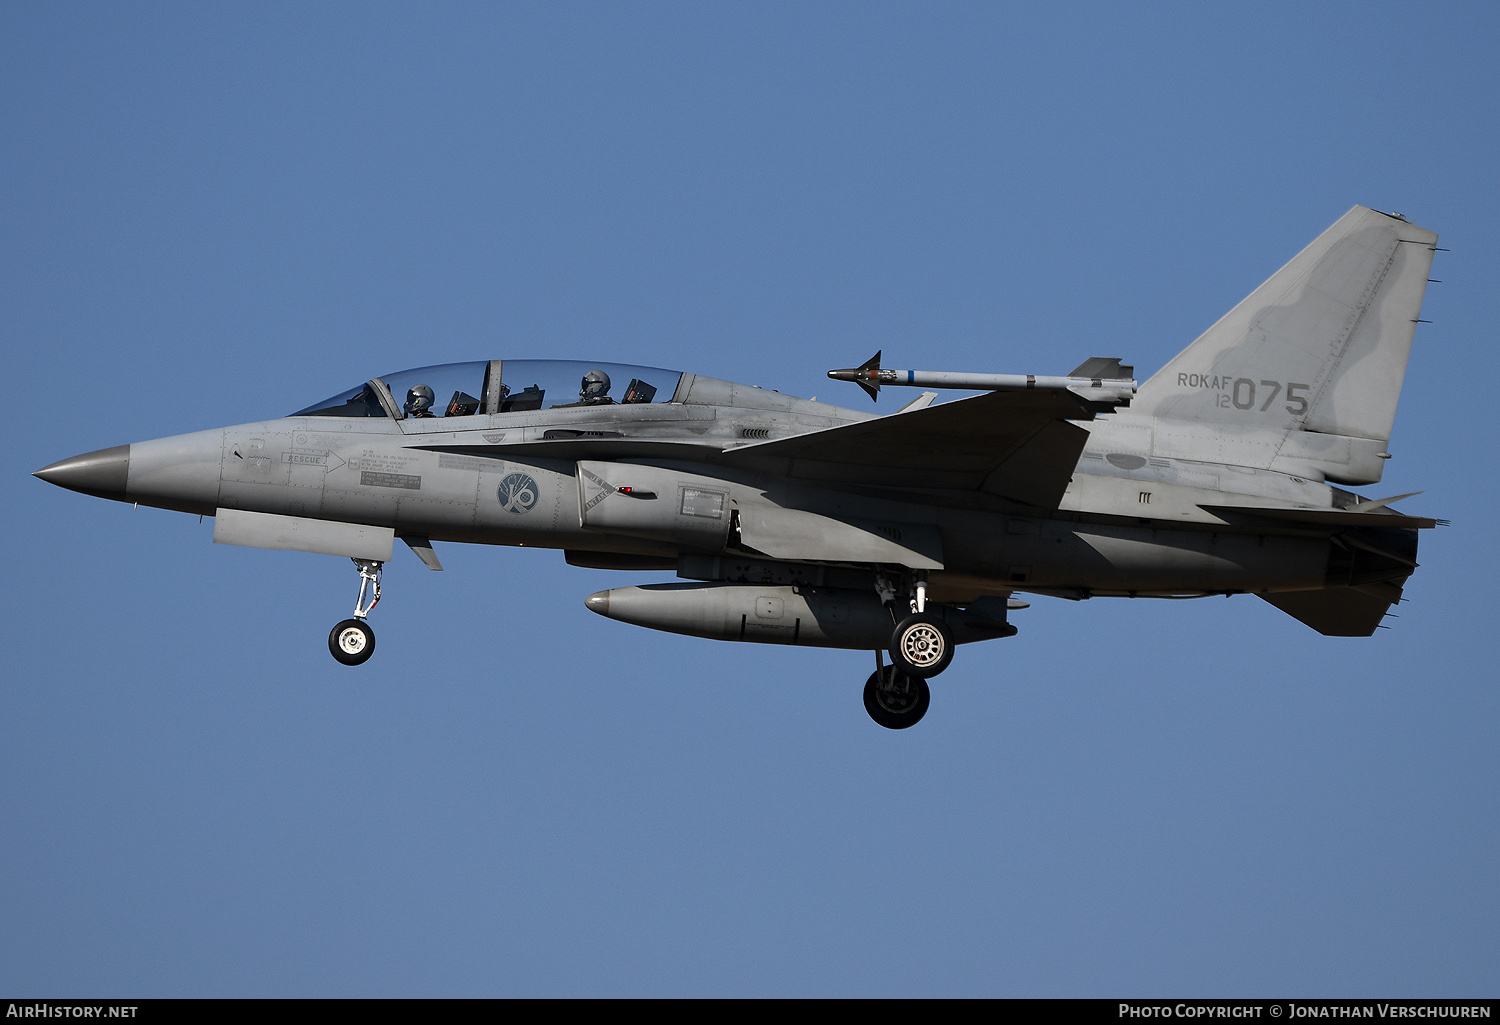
1092 387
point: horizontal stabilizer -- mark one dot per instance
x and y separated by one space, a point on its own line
1338 611
1017 444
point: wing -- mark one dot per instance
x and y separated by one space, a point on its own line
1322 518
1017 444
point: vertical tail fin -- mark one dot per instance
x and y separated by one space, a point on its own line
1321 347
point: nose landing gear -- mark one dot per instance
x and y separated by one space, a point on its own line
352 642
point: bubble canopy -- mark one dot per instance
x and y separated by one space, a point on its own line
503 386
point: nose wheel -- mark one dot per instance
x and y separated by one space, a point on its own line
352 642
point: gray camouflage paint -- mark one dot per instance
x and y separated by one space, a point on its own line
1321 345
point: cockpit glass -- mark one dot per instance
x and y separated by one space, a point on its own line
360 401
452 389
464 389
556 383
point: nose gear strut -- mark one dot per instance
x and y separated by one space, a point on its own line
369 574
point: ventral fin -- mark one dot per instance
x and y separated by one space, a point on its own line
422 548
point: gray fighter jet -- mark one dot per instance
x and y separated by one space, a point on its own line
789 521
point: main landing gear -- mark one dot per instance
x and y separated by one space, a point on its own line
897 696
352 642
895 699
921 645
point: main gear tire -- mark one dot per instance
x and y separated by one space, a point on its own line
896 700
921 645
352 642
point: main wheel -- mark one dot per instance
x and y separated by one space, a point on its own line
922 645
352 641
895 699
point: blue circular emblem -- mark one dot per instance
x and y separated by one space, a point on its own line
518 493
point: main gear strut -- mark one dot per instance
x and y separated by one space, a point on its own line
921 645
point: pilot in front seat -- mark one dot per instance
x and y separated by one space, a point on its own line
595 390
419 401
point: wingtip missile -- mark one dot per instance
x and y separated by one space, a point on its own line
1104 384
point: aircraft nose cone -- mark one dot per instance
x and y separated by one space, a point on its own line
598 602
102 473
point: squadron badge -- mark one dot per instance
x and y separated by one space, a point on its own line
518 493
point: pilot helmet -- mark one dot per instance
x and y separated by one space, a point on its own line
418 400
595 385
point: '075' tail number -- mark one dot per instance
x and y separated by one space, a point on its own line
1242 392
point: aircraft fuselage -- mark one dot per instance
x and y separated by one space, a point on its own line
1129 530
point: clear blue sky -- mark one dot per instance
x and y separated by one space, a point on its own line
212 214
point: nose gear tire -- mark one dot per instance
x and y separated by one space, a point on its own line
895 699
352 642
921 645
